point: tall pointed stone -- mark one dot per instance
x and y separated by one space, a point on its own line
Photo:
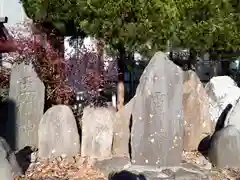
197 119
157 129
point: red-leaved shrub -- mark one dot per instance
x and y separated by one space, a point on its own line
53 69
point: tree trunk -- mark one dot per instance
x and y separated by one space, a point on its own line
57 43
100 51
131 89
120 86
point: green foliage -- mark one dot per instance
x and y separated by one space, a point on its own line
135 25
55 10
146 25
58 13
208 24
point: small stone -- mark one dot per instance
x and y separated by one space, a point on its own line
34 157
91 162
80 161
59 159
56 122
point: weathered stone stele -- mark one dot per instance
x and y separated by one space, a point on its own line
27 90
97 132
58 133
157 129
197 119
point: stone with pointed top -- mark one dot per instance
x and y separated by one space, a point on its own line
197 119
158 114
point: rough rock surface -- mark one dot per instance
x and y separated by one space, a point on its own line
114 164
221 90
225 148
197 119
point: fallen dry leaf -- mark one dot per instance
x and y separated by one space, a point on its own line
61 170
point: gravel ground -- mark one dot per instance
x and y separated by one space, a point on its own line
62 169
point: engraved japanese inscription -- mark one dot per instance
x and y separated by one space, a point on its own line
27 90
